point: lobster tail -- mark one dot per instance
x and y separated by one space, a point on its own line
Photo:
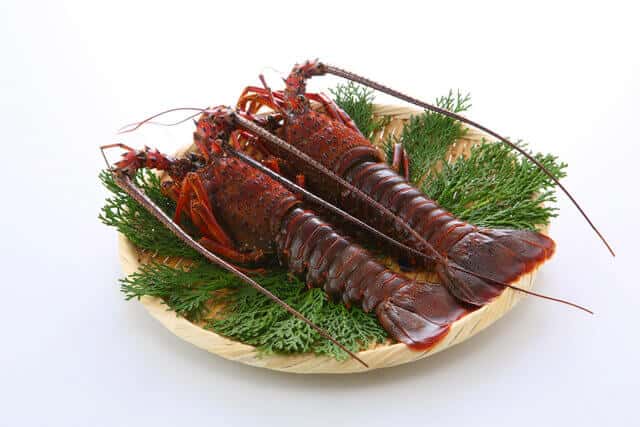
480 261
489 259
418 314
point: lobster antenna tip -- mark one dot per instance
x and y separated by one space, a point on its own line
273 69
104 156
131 127
125 129
547 297
519 289
613 254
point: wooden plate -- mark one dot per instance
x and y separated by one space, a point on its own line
380 356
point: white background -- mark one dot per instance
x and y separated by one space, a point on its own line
563 78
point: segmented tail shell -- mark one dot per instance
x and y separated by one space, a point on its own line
416 313
498 256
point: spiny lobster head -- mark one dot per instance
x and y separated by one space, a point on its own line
296 84
313 68
213 125
132 160
217 126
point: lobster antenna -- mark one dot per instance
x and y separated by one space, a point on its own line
104 156
562 301
273 69
309 196
136 125
125 183
266 86
330 69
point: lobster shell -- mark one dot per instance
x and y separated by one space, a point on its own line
380 356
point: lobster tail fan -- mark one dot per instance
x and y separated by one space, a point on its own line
419 314
532 246
490 259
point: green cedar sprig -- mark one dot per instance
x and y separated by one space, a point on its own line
185 290
255 320
248 316
357 101
495 188
428 136
135 222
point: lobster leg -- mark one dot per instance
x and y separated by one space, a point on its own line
230 253
193 184
254 97
219 242
243 140
333 110
400 161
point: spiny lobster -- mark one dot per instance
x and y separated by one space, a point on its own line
328 150
245 216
